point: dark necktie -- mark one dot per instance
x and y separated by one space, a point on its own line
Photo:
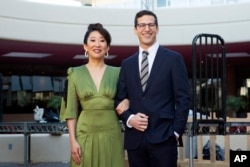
144 70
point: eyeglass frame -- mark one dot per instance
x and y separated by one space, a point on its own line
142 26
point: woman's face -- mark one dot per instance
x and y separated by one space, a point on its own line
96 45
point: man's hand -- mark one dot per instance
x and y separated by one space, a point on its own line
139 122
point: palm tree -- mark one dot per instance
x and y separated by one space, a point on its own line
55 103
235 104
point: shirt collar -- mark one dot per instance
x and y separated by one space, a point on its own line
151 50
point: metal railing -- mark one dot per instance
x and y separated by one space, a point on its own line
27 128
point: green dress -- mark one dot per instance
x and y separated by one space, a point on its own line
98 130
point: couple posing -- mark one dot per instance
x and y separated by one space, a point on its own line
151 98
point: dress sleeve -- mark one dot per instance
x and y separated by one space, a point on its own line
71 109
62 110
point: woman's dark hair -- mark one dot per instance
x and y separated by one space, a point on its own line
143 13
97 27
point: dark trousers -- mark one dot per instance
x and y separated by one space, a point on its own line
154 155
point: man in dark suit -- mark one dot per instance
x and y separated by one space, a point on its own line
158 113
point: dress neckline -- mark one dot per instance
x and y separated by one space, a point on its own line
92 80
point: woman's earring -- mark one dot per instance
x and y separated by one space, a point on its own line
107 55
86 54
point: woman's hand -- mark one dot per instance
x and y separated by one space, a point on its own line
122 106
76 152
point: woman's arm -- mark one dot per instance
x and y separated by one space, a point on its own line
76 152
122 106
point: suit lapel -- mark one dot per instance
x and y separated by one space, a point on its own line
134 69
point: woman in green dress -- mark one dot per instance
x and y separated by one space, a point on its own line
94 133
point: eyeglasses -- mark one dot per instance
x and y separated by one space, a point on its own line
142 26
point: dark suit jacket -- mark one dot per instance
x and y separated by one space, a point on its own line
166 99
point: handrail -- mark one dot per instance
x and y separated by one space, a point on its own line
27 128
33 127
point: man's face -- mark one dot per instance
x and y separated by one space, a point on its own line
146 30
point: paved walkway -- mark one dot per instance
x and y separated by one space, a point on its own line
47 164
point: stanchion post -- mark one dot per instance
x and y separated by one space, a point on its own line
26 134
190 133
